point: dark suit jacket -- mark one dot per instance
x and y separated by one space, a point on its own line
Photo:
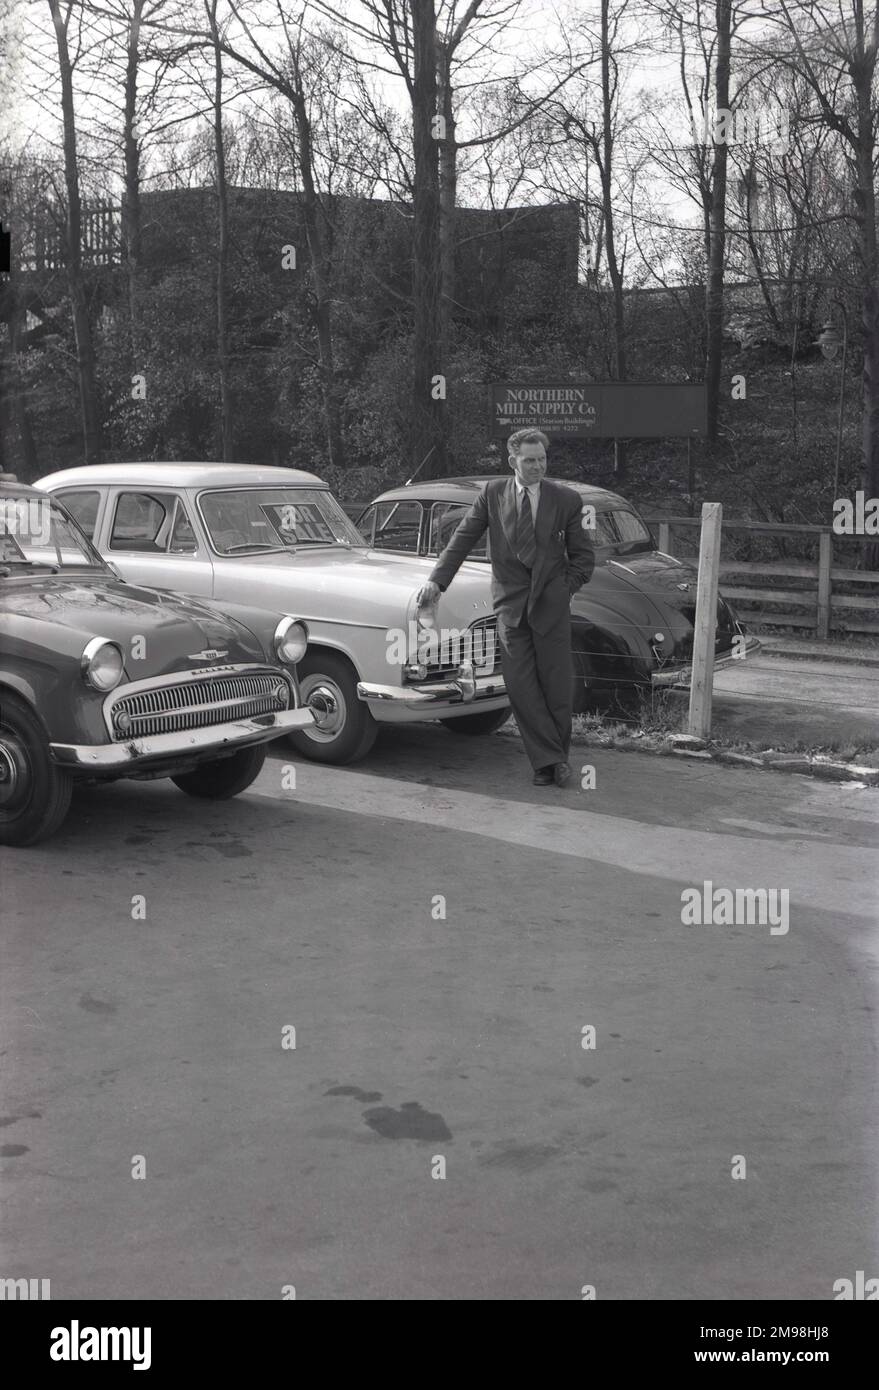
565 558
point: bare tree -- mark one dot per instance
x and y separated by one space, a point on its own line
62 14
836 53
717 222
226 412
405 34
291 72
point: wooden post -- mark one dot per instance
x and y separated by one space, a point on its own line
825 557
705 630
664 541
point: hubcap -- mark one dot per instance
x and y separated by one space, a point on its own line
14 772
326 700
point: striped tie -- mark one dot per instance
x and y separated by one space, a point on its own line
526 546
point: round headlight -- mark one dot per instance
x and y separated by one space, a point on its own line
290 641
659 636
101 664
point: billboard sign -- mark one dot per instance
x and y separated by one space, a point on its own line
600 410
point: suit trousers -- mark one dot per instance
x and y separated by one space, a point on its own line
538 673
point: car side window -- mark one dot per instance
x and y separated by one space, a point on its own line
366 525
182 539
83 507
445 518
397 526
151 523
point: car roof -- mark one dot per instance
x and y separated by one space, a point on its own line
17 489
465 489
181 475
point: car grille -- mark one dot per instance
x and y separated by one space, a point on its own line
484 651
198 703
725 631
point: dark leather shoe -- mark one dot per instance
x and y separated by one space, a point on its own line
543 776
562 774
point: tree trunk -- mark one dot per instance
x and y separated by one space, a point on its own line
871 414
863 76
319 239
717 240
85 352
226 417
428 416
131 205
616 279
448 181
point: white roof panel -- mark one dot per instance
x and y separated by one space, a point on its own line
181 475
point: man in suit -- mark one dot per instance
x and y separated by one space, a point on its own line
540 556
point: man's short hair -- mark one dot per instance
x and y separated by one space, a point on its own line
515 441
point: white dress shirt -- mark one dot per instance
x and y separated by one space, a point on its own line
533 490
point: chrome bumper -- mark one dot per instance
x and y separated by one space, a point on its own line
681 675
105 757
464 689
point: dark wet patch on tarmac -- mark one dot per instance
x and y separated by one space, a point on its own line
525 1158
13 1150
97 1006
368 1097
409 1122
231 849
587 1080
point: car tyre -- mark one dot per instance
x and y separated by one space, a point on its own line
34 792
486 722
345 730
225 778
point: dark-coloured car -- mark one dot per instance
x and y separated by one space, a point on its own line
100 679
632 624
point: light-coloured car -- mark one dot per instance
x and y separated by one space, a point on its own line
277 538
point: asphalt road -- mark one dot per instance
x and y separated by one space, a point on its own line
769 700
420 1038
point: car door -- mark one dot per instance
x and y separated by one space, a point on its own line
151 537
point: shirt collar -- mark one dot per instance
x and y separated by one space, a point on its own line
525 487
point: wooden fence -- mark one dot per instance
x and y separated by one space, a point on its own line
44 251
836 598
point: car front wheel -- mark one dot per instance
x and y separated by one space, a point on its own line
226 777
34 792
485 722
344 730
